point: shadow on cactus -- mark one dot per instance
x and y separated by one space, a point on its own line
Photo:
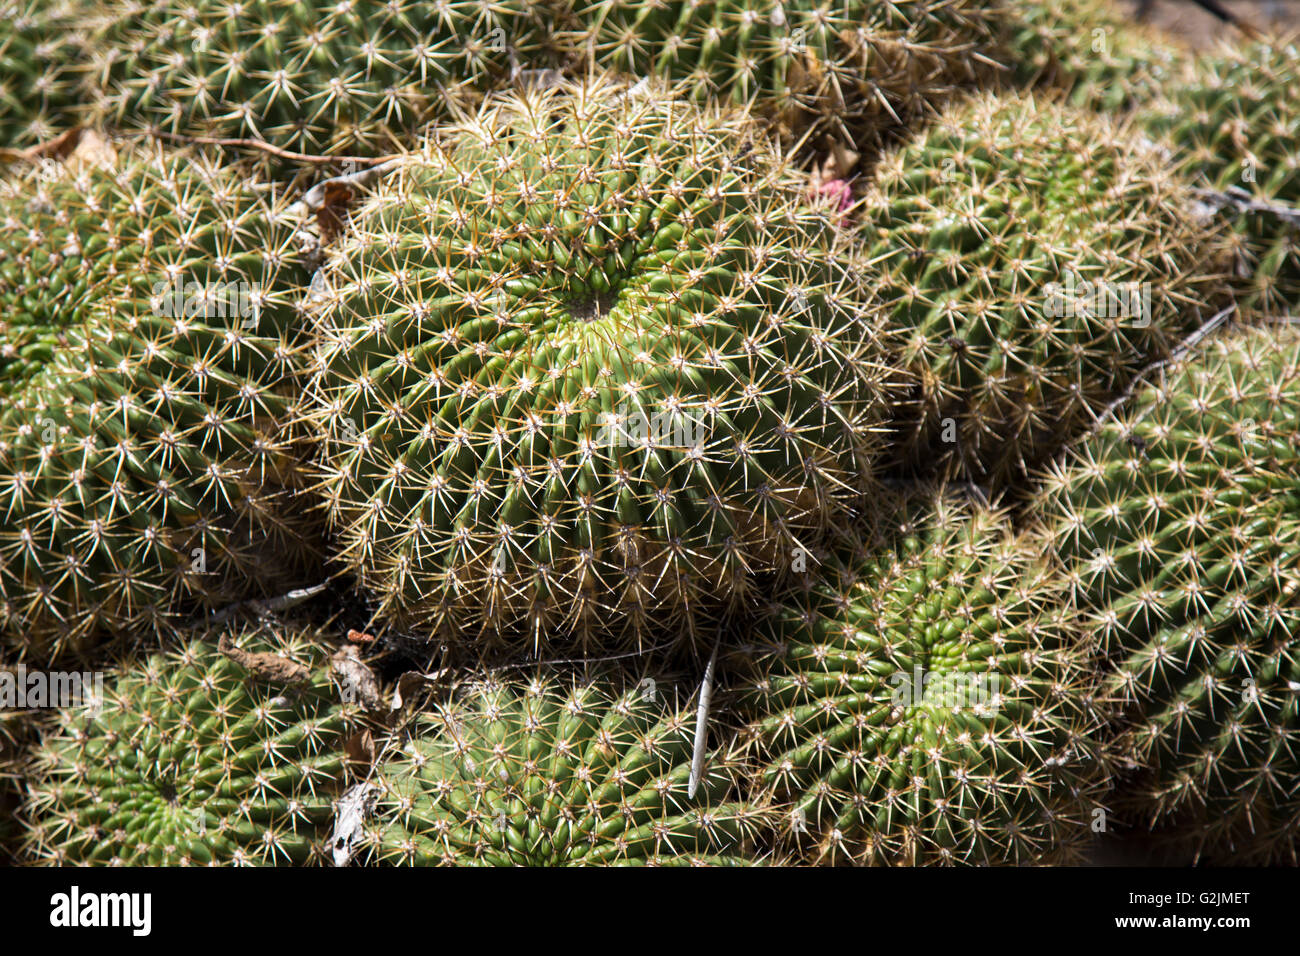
590 363
146 362
925 701
193 760
544 771
1180 521
19 730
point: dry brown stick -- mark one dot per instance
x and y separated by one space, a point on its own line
1242 201
263 665
273 150
1184 347
58 147
266 605
702 724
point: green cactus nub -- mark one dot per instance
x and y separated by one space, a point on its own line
1033 258
146 362
545 771
1179 523
926 702
193 759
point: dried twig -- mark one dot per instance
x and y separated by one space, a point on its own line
316 197
1242 201
702 724
277 151
1184 347
561 662
56 148
264 666
267 605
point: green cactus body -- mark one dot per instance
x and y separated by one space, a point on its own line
850 70
306 75
141 463
544 772
1233 119
928 703
193 760
1088 50
1033 258
40 47
590 363
1180 520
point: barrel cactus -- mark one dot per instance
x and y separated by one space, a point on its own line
41 44
849 70
548 771
1033 257
1180 521
145 365
1233 120
305 75
926 700
1090 51
591 362
193 759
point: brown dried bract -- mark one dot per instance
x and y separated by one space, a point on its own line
264 666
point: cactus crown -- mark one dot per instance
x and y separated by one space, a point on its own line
590 361
550 772
926 704
193 760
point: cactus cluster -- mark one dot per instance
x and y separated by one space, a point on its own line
850 69
191 759
1033 257
1180 523
590 362
547 771
926 700
147 353
1233 120
597 361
